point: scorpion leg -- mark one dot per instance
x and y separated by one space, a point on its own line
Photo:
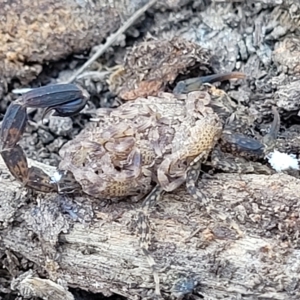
192 176
65 100
151 200
143 225
269 139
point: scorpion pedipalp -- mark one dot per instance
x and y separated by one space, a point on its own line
65 100
13 125
52 96
250 147
16 162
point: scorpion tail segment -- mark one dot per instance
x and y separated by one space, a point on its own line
65 99
270 138
194 84
13 125
16 162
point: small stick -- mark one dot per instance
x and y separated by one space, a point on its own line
112 38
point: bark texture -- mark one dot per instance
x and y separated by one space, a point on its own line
242 244
34 33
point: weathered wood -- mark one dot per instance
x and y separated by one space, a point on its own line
34 33
242 244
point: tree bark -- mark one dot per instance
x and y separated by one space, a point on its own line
242 244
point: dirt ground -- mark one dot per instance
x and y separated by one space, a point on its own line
245 247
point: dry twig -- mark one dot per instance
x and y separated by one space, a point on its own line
111 39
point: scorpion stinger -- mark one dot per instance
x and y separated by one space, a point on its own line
65 100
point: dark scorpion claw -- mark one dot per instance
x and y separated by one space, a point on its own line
65 100
194 84
13 125
250 147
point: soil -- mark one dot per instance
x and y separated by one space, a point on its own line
245 247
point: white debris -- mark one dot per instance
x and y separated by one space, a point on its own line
282 161
56 177
22 91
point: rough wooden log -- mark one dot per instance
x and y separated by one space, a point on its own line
34 33
242 244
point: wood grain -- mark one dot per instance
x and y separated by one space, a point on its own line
242 244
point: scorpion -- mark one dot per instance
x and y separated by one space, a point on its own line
161 140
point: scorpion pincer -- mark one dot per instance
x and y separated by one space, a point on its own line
65 100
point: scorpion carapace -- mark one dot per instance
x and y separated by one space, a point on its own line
65 100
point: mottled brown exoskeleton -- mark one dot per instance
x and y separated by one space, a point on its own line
140 149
